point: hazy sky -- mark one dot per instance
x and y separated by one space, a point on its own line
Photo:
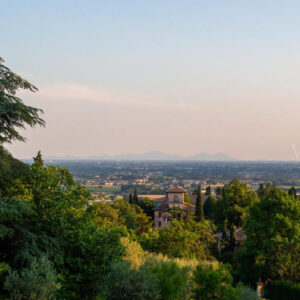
182 77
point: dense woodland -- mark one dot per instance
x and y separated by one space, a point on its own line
55 245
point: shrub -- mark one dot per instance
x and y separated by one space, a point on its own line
37 282
277 290
126 283
173 280
246 293
213 284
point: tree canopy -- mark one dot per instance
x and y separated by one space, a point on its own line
14 114
272 247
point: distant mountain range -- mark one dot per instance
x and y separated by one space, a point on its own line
154 155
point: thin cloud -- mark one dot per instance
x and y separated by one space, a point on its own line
76 92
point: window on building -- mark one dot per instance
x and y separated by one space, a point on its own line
176 199
159 224
159 215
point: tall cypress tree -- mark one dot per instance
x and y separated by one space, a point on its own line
293 192
199 213
130 200
208 191
38 158
135 198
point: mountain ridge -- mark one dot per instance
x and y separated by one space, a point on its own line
152 156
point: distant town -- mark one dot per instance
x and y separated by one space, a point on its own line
109 180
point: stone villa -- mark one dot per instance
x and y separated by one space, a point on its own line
174 198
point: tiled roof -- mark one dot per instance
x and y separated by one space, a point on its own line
154 198
162 207
176 189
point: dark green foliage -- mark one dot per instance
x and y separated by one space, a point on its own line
292 192
219 191
127 283
55 220
11 169
172 280
14 114
213 284
262 190
20 239
88 255
199 213
278 290
147 206
246 270
209 207
38 158
208 191
38 281
130 200
272 247
135 198
231 209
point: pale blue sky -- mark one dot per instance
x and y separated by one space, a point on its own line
176 76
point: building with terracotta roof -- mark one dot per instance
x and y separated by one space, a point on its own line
175 198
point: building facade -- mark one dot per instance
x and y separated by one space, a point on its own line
175 198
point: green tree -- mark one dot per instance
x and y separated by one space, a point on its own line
187 198
84 251
132 216
232 208
208 191
20 239
130 199
105 216
219 191
14 114
209 206
11 169
199 213
172 280
36 282
147 205
182 239
214 284
262 190
272 247
126 283
293 192
38 158
135 198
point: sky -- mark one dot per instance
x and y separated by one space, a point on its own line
181 77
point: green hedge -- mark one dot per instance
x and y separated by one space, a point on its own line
278 290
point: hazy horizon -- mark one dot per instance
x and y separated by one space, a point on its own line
182 77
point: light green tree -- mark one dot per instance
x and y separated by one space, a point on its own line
184 238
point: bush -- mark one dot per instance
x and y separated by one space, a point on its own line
213 284
173 281
37 282
126 283
246 293
277 290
